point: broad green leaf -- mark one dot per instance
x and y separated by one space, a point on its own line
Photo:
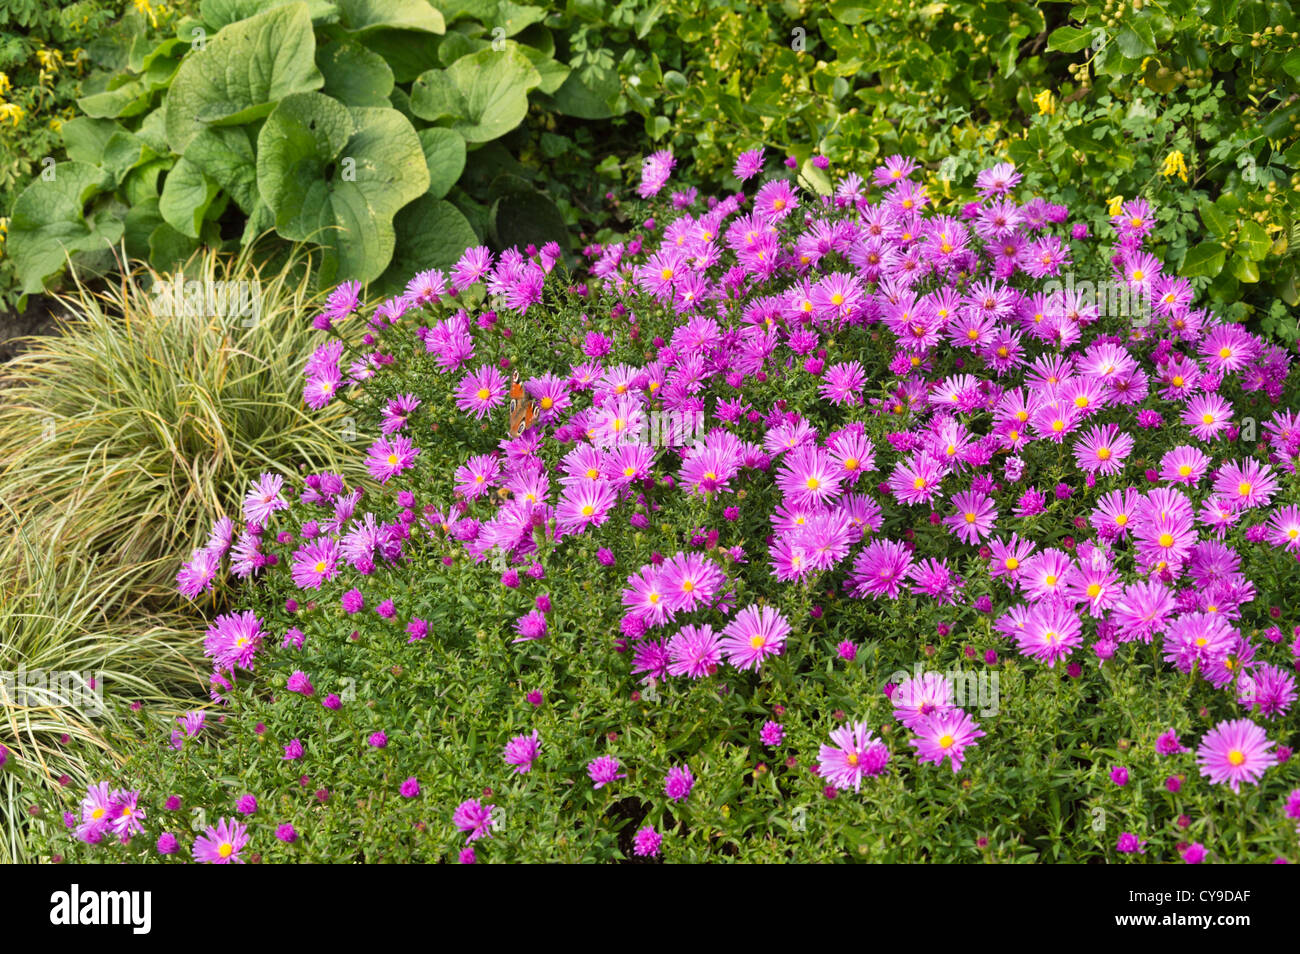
1069 39
1243 269
1135 38
431 233
141 183
444 154
1214 220
337 176
1253 242
436 97
220 13
50 223
354 75
225 155
1205 259
495 86
123 152
130 99
185 198
242 72
405 55
138 224
168 247
361 15
85 138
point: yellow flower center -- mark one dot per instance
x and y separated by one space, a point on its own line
946 742
1103 453
1166 539
1011 563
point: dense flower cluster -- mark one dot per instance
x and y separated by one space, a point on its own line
1001 395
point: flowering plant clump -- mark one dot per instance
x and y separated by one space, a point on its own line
798 527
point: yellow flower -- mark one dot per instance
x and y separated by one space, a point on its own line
11 111
144 7
1175 164
1046 103
1114 204
56 124
50 60
5 85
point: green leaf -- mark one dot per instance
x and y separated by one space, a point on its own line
1253 242
220 13
405 58
359 16
1214 220
1135 38
436 97
185 198
354 75
242 72
168 247
1069 39
1205 259
85 138
1244 269
129 99
49 224
589 93
138 224
225 155
495 86
444 154
337 176
431 233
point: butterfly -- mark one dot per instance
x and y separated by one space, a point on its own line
522 409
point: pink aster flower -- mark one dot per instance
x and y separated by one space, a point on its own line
481 390
1246 483
975 516
1234 751
945 735
678 784
696 652
474 819
754 634
387 458
748 164
856 753
1103 450
522 751
919 697
221 843
646 842
603 770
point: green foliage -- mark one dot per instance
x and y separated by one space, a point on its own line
320 121
958 83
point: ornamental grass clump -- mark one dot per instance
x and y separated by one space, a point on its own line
618 528
144 417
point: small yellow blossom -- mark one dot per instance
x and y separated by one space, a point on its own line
1175 164
11 111
1114 204
147 9
1046 103
50 60
5 85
